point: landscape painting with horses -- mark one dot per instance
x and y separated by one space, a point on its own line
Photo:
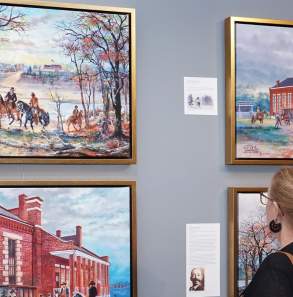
264 91
65 83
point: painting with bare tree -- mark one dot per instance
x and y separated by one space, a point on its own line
66 84
254 237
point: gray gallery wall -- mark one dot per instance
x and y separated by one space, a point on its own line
180 173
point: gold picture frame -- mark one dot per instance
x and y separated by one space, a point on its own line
106 155
37 196
233 234
250 153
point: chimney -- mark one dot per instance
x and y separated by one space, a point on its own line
278 83
78 236
34 210
58 233
22 210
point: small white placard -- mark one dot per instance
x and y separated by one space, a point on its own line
200 95
202 260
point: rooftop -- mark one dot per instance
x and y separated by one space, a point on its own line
6 213
288 82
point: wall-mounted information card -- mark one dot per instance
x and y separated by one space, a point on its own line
202 260
200 95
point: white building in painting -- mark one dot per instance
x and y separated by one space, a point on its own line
244 109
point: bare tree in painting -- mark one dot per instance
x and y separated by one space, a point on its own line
104 40
11 19
255 243
73 49
58 101
89 86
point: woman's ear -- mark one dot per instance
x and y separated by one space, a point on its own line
275 209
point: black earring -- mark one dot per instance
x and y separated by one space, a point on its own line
275 227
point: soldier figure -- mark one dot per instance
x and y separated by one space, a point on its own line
11 98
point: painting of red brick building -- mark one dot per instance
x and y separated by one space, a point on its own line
281 99
35 261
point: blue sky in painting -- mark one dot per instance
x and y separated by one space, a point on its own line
40 43
264 54
103 214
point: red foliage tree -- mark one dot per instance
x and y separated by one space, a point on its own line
104 42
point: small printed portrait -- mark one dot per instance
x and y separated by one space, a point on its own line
197 279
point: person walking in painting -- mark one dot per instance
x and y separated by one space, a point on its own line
76 293
92 289
278 121
274 278
64 292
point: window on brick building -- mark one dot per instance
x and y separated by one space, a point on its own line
12 261
57 279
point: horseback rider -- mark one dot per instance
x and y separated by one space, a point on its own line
34 104
75 112
34 101
11 98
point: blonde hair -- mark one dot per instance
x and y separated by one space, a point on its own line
281 190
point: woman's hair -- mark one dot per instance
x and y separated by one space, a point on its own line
281 190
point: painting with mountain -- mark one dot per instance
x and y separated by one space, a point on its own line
263 93
66 83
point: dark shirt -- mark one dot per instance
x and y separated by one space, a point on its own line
93 292
11 98
274 278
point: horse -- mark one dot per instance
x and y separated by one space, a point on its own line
44 118
259 116
75 120
26 110
10 109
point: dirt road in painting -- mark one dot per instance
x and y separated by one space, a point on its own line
12 79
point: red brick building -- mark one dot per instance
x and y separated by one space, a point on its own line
34 262
281 99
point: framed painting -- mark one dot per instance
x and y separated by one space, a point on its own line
69 238
250 239
67 83
259 88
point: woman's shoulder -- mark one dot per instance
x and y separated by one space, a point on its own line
278 261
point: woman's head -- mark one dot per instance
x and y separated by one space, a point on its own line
280 204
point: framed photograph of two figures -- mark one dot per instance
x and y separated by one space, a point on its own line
259 91
67 83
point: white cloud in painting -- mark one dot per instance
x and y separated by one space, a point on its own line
264 54
103 214
249 206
